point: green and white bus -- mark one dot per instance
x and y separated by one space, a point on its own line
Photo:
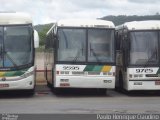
138 55
18 41
80 53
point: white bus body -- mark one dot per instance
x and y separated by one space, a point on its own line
81 54
18 41
138 55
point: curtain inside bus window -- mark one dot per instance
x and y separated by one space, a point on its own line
144 48
100 45
72 45
17 46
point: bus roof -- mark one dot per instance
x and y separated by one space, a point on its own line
140 25
15 18
90 23
86 23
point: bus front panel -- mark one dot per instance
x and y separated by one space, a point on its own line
144 78
84 76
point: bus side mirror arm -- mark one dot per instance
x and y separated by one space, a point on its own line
36 39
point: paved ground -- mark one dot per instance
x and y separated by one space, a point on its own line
79 101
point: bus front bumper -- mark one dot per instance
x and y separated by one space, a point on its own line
22 84
84 82
143 85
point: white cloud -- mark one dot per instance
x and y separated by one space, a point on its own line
45 11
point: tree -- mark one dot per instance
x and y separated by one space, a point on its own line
42 30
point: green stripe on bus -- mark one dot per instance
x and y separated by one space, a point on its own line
98 68
158 72
12 73
89 68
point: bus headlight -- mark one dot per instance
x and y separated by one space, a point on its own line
138 75
135 75
130 75
109 73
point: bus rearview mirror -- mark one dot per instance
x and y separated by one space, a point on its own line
36 39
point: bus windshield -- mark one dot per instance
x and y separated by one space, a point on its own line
100 45
144 48
73 45
15 46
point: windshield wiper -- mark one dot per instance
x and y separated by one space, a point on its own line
77 55
94 53
150 59
13 62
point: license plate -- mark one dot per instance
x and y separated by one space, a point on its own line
4 85
157 82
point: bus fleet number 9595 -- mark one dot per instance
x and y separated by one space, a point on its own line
70 68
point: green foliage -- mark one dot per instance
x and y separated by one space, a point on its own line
118 20
42 30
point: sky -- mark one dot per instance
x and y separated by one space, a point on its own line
48 11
